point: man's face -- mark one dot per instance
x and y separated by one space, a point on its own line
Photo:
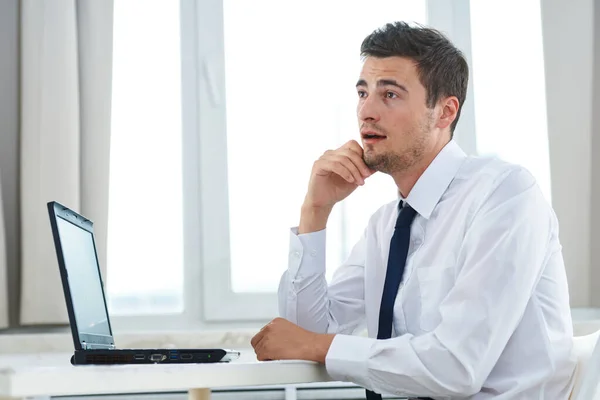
392 105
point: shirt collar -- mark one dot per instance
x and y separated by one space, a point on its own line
434 181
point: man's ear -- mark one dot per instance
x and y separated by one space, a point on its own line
450 106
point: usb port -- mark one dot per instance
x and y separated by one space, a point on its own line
140 357
157 358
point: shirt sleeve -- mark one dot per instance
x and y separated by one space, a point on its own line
304 295
503 256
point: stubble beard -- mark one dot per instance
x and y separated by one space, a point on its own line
391 162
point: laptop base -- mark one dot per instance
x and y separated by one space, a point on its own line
148 356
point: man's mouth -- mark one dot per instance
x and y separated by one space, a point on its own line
372 137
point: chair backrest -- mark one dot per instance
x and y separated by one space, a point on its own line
587 372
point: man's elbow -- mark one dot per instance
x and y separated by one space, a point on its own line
450 376
466 388
454 373
450 386
462 384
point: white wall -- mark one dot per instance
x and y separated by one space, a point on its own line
568 31
9 144
595 203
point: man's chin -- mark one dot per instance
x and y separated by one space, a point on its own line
373 165
378 164
372 160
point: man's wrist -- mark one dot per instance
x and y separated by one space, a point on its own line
323 343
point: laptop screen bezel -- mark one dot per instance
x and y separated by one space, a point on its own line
81 340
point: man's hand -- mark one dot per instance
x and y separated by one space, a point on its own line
334 176
282 340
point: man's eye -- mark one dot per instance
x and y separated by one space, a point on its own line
362 93
390 95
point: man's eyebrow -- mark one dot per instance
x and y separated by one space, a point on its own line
391 82
383 82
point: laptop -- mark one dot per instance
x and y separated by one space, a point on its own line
86 302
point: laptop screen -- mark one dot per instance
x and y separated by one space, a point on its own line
85 285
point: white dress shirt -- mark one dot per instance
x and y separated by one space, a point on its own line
483 308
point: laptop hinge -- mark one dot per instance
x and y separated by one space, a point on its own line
97 346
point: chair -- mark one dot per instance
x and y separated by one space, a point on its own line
587 372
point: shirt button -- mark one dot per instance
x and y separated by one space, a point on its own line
297 254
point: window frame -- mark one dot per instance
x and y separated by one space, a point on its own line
191 317
454 19
220 302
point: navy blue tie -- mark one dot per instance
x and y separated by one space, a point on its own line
393 276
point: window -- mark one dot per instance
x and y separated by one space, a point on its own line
284 109
145 232
508 78
289 93
217 119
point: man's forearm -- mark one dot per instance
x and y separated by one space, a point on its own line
313 219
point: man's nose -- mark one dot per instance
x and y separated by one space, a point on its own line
368 109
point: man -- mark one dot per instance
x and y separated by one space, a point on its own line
461 283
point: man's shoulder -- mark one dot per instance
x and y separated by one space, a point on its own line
485 175
491 168
480 180
488 182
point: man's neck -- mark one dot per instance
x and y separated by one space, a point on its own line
406 180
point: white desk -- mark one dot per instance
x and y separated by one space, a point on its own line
30 376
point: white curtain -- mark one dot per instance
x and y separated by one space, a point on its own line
66 63
3 266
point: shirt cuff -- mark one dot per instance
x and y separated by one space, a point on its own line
307 250
347 359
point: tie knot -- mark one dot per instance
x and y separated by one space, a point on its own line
405 217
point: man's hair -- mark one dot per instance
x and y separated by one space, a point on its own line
442 68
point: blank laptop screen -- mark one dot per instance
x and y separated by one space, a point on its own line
84 279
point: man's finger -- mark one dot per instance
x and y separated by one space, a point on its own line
330 165
260 342
350 165
257 338
261 350
354 146
358 160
